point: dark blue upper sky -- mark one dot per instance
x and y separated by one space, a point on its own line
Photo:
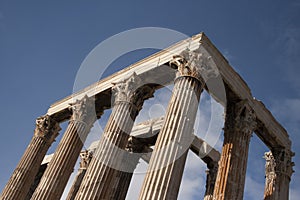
42 45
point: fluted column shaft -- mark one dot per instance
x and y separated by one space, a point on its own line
279 169
23 177
239 125
135 150
62 164
211 179
103 171
167 162
37 180
98 179
85 157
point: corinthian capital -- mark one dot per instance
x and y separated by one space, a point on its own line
240 118
46 127
245 118
84 110
196 64
283 159
132 90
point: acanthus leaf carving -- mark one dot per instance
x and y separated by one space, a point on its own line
132 90
240 118
47 128
283 159
245 118
196 64
84 110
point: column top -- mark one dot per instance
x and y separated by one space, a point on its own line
240 117
132 90
283 161
196 63
46 127
84 110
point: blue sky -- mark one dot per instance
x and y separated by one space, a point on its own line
42 45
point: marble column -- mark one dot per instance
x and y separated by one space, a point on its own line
23 177
62 164
99 180
239 125
279 169
37 180
85 158
135 149
167 162
210 179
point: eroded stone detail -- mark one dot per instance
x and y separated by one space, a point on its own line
283 160
279 169
241 119
86 157
240 122
46 127
245 119
132 90
270 163
84 110
195 64
270 175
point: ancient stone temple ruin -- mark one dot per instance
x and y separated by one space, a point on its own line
106 169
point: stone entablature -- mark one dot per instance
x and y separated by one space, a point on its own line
269 130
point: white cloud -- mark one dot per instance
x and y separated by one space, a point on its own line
194 178
157 106
210 121
253 189
287 40
285 34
